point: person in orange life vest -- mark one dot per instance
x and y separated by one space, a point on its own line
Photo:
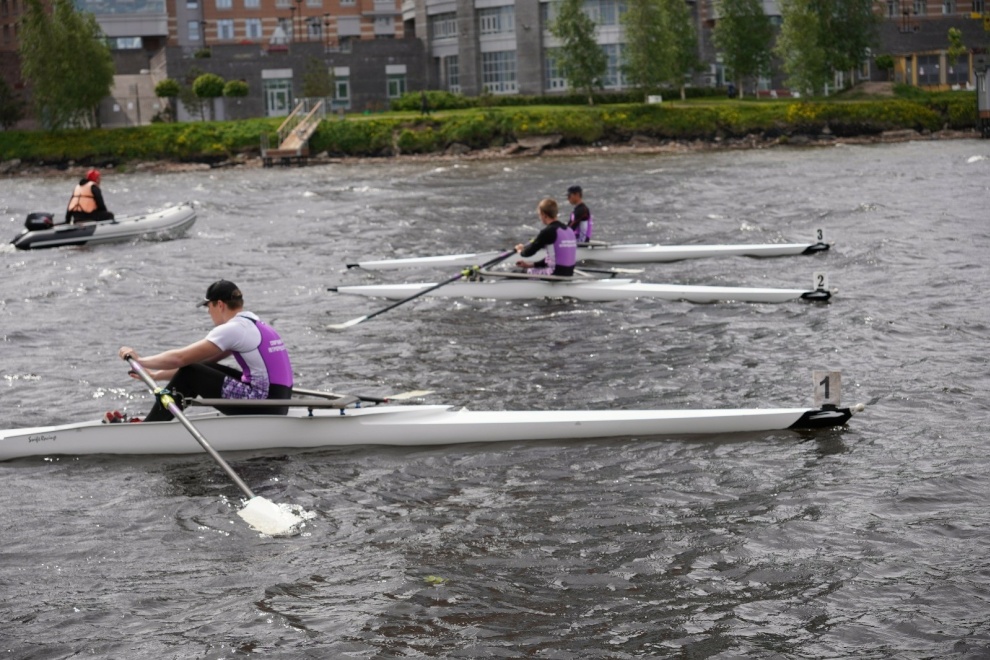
87 200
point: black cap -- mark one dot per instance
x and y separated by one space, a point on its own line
222 290
574 189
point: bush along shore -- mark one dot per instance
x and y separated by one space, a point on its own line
505 130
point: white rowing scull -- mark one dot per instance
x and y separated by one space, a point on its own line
612 254
314 423
507 287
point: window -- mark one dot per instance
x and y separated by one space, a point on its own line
342 89
192 27
555 80
453 74
314 29
603 12
497 20
920 7
278 96
979 6
948 7
224 4
498 71
613 74
252 28
314 3
125 43
225 30
192 4
384 27
929 70
958 73
548 14
396 85
252 4
443 26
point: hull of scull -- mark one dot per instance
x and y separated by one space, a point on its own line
400 426
587 290
611 254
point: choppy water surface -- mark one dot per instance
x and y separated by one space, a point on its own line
870 541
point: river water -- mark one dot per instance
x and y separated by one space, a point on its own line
863 542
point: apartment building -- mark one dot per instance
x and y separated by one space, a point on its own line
378 49
505 47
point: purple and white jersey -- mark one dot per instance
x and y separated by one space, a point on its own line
259 351
582 222
561 247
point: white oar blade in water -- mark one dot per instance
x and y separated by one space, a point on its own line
269 518
347 324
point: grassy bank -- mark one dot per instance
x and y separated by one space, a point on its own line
408 132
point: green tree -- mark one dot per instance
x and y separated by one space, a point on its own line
169 89
647 56
799 47
661 44
820 37
885 63
207 87
66 62
11 107
236 89
850 29
956 46
317 79
685 39
744 35
581 60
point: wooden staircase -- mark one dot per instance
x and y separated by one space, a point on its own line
294 134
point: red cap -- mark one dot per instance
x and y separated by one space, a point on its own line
93 175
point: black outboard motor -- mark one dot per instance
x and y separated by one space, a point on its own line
40 220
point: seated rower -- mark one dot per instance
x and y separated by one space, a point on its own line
581 220
266 372
87 200
556 238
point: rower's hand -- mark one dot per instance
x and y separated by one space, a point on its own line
524 264
127 351
519 248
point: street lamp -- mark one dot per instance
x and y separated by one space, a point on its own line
292 22
326 32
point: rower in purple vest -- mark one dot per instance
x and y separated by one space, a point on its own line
556 238
581 221
265 370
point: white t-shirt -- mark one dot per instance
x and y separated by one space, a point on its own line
242 336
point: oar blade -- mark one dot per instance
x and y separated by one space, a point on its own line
347 324
412 394
269 518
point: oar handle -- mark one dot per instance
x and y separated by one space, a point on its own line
165 398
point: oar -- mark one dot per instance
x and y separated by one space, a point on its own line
263 515
361 319
610 271
412 394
